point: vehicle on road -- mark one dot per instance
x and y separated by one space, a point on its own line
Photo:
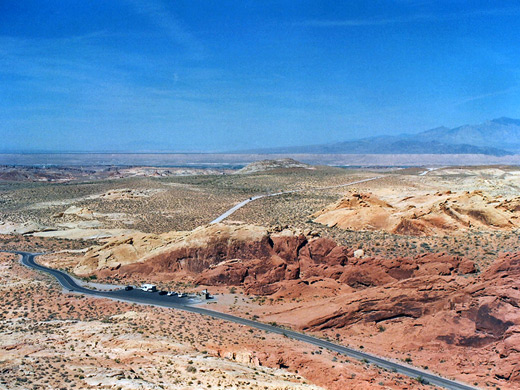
170 293
162 292
205 294
149 287
68 283
128 288
181 295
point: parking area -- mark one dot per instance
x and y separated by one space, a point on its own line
155 296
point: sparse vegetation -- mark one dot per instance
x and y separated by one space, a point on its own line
87 337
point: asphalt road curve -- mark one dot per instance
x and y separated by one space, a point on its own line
142 297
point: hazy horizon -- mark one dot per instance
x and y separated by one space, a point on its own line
155 76
141 148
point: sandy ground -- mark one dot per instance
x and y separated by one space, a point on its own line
65 341
53 340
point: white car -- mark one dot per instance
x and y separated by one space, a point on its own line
170 293
149 287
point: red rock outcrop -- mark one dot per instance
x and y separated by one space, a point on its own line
491 301
262 262
429 295
479 314
321 258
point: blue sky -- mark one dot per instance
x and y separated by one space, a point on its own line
139 75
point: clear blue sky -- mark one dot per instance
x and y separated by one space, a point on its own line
221 75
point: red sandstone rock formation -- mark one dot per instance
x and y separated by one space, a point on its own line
431 292
264 264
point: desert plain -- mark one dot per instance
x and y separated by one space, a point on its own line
420 265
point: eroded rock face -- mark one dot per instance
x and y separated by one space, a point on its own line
173 251
320 258
428 291
491 301
481 313
422 215
258 260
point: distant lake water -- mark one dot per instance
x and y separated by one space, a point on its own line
235 161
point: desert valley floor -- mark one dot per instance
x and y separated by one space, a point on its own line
417 265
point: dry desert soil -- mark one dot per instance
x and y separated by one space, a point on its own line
423 269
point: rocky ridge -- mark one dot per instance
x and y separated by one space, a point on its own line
258 259
420 215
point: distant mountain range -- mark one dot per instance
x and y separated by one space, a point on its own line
497 137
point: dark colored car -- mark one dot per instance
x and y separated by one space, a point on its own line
163 292
128 288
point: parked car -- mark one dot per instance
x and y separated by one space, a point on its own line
170 293
128 288
149 287
163 292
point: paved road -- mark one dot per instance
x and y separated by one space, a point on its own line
138 296
428 170
134 295
243 203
